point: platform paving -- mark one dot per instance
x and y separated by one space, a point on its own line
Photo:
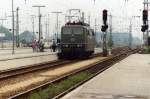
25 57
6 54
128 79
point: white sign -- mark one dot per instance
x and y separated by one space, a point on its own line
2 34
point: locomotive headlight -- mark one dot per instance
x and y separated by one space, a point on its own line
79 45
65 45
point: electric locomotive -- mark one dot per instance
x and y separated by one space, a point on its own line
77 40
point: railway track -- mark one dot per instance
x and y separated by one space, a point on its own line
6 74
95 69
12 77
31 68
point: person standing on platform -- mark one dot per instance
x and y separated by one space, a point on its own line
34 45
54 46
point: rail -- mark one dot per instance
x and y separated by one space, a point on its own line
94 68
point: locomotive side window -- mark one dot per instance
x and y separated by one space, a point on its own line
93 33
66 31
88 32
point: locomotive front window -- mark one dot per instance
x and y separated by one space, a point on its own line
74 30
77 30
66 31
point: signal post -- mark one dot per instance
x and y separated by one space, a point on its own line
145 25
104 30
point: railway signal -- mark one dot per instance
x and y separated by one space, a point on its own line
144 28
145 21
104 26
104 29
104 16
145 16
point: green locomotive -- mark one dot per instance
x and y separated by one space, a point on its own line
77 40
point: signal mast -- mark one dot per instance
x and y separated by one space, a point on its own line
104 30
145 25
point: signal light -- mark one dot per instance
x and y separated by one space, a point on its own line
104 28
144 28
104 16
145 16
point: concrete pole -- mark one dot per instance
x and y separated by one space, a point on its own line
145 35
2 37
57 23
110 30
95 26
17 28
13 32
48 29
82 18
130 33
39 21
57 28
89 19
33 27
105 51
148 25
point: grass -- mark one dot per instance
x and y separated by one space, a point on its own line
147 50
55 89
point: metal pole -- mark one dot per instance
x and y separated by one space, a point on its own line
105 52
13 38
17 28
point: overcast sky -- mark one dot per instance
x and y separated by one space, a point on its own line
120 9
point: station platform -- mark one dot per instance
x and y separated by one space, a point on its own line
23 57
26 53
128 79
26 57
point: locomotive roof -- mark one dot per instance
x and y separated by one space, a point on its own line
78 24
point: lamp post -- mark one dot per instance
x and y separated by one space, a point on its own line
57 23
39 6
